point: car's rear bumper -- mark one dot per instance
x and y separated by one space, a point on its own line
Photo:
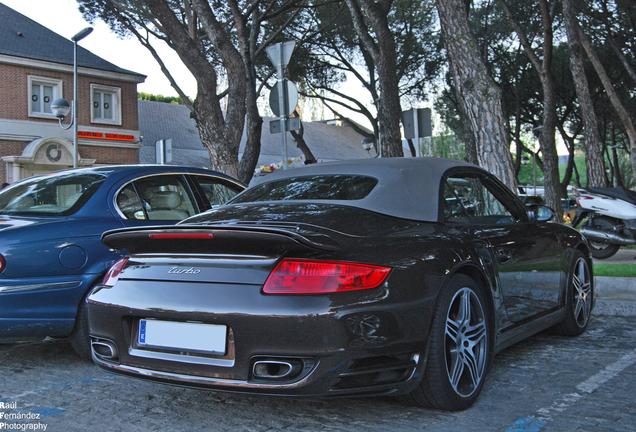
406 379
333 347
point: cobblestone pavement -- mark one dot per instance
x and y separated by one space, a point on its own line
548 383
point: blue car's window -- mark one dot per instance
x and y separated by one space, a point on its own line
128 203
324 187
217 191
54 195
159 197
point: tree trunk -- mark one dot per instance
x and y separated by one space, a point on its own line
551 178
223 151
384 56
613 97
299 137
477 92
221 135
594 163
517 133
569 141
547 140
253 131
412 147
470 140
247 39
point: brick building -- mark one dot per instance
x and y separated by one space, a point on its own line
36 67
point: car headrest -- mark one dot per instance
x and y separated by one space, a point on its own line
165 200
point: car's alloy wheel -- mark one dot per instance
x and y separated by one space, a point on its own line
459 348
582 292
466 344
579 297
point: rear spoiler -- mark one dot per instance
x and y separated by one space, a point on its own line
221 239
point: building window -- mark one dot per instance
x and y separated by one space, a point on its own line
105 104
42 91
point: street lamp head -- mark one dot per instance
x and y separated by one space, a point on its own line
367 144
60 108
82 34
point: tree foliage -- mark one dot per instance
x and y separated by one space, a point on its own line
611 27
338 53
393 50
160 98
222 44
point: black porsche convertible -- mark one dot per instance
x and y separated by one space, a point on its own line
372 277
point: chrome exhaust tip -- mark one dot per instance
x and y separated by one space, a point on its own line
105 350
275 369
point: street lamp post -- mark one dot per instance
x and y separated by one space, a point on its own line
60 107
525 161
534 173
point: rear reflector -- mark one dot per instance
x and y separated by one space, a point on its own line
582 197
295 276
180 236
113 274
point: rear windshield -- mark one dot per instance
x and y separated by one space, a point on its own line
58 195
324 187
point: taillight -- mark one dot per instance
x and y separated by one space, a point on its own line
112 276
296 276
180 236
3 264
582 197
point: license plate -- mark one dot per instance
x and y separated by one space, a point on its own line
208 338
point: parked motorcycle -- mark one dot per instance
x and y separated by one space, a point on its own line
611 219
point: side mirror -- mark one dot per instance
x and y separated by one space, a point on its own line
539 213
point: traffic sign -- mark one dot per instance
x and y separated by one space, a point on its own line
417 123
290 102
280 53
163 151
290 125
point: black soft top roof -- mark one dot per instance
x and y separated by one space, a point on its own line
407 188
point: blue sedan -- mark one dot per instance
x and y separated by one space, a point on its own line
50 231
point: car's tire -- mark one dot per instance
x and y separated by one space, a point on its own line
79 338
579 297
603 250
459 348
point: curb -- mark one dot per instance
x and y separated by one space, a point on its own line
615 296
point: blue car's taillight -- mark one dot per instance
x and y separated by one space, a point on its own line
3 264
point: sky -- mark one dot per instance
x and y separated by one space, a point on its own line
63 17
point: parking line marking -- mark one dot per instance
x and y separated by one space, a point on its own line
608 373
535 424
9 398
